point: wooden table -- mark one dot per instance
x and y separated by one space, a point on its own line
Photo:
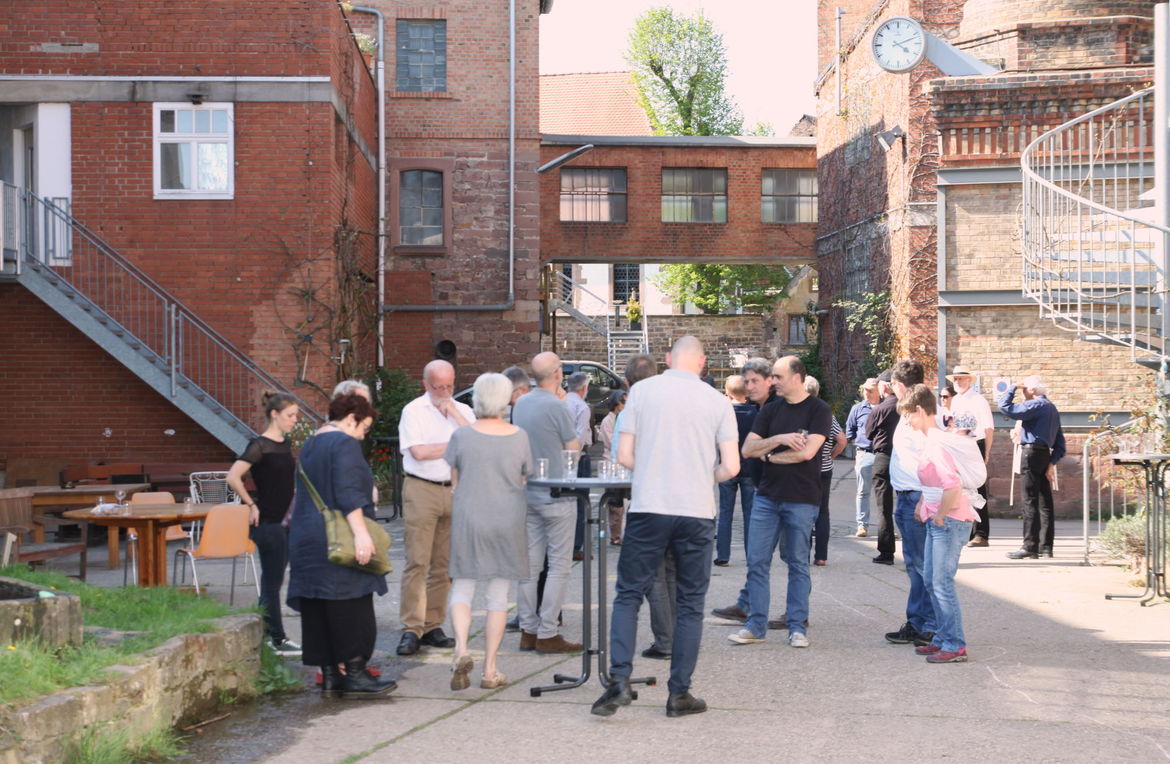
47 498
151 521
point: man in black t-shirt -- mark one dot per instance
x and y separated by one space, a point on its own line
879 428
787 435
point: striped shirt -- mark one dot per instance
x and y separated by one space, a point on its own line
830 444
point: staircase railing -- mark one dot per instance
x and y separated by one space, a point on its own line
193 354
1093 257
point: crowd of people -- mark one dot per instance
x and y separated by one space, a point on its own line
768 441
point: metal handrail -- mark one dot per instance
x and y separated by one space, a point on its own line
1086 262
196 355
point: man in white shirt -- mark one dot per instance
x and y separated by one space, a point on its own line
972 413
423 431
582 416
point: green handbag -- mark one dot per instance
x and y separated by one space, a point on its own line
339 536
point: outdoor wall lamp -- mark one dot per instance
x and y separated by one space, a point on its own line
889 137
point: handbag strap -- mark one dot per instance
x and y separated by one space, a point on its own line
316 497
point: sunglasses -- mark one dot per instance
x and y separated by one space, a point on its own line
945 397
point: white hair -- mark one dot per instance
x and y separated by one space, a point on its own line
577 381
491 394
1036 384
347 386
811 385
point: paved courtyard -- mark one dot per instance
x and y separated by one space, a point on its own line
1056 673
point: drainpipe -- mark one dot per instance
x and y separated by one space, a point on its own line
380 78
511 299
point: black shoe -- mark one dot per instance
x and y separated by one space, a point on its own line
721 563
331 680
618 694
408 645
1046 552
684 704
923 638
655 653
882 559
781 624
436 638
732 613
513 625
359 683
1022 554
902 636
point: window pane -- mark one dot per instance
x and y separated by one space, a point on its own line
432 236
412 179
175 172
432 217
166 120
421 63
617 208
202 121
184 120
219 121
432 179
213 166
768 210
566 207
410 216
720 210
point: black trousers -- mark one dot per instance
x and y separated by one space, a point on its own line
983 526
883 497
271 541
584 469
822 526
1038 508
335 631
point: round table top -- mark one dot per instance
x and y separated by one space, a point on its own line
579 482
141 512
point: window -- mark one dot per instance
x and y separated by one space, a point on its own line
422 56
420 208
193 151
625 281
567 283
593 194
797 329
856 269
788 196
694 195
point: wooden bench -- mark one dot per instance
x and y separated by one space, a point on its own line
16 517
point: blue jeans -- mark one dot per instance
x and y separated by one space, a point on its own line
646 539
863 466
776 522
727 491
919 611
271 541
943 547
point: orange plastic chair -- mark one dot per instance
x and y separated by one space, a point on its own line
225 535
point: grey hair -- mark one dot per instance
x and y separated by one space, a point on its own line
577 381
811 385
761 366
519 378
347 386
490 395
1035 383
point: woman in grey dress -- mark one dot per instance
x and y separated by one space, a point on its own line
489 462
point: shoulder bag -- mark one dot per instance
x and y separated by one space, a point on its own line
339 536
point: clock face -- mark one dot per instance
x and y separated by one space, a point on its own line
899 44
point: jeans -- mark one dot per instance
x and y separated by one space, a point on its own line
584 469
822 525
550 531
271 541
647 538
919 611
863 466
727 491
883 497
789 523
943 547
1039 532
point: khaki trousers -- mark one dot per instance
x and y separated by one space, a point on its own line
426 510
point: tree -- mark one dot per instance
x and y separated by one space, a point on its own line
715 288
678 64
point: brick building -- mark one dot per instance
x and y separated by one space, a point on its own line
934 219
216 198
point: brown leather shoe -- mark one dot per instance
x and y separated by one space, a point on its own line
527 641
730 613
557 644
978 541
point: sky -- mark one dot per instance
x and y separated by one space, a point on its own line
771 48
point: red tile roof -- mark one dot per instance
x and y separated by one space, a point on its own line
593 103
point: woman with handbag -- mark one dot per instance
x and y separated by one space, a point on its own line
489 542
336 600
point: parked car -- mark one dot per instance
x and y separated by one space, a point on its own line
602 382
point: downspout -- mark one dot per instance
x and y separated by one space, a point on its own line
511 299
380 79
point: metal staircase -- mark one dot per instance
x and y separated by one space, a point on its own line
1094 252
565 294
131 317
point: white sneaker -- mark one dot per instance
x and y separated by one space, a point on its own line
862 531
286 647
744 637
797 639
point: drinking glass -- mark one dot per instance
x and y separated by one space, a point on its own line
569 462
120 494
187 506
541 468
99 509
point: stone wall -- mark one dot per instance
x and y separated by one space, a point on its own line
176 682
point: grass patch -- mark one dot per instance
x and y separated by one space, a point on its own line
107 744
31 669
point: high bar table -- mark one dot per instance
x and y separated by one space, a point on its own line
581 486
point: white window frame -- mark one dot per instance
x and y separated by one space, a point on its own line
194 139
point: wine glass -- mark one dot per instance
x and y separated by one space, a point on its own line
120 495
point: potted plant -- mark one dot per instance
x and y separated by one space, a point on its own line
634 312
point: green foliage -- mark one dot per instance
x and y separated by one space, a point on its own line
275 674
633 309
108 744
715 288
869 315
392 389
678 64
1124 537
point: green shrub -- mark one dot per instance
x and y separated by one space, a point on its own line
1124 538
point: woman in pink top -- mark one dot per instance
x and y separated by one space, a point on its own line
946 510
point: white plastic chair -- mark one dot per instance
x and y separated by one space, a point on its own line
209 488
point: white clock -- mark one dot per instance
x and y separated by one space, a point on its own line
899 44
